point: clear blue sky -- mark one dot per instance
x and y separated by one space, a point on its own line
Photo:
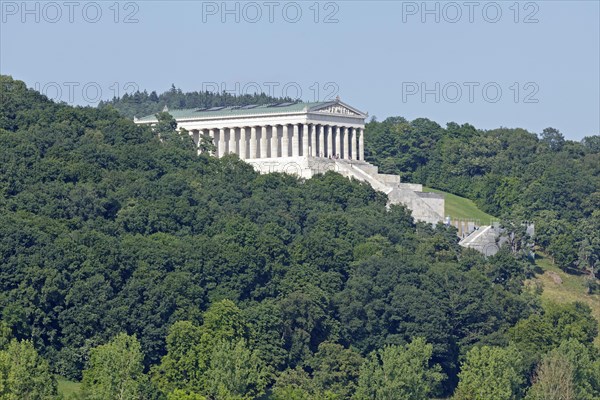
387 58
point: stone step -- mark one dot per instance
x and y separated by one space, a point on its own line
483 240
352 170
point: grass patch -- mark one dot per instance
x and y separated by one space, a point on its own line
461 208
570 290
68 389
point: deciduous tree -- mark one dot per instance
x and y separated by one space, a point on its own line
115 370
399 372
24 375
491 373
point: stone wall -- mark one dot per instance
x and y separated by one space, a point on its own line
428 207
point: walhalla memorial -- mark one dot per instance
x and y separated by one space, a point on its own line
303 139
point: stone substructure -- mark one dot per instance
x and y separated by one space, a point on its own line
427 207
302 139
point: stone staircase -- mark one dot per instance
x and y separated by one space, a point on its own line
427 207
483 239
359 172
488 239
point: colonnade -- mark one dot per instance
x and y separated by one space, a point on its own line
286 140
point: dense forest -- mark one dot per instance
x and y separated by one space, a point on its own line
511 173
140 104
145 271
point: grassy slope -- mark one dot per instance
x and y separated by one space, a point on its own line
460 208
67 388
572 288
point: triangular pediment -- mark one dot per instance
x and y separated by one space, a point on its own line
338 108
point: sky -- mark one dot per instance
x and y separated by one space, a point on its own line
512 64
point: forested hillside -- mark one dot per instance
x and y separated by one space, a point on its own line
512 173
148 272
140 104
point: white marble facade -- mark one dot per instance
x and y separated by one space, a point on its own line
281 140
326 129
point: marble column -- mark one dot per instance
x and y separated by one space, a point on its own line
305 135
353 144
361 144
222 143
195 136
252 143
199 133
295 141
322 141
338 142
243 143
232 141
329 141
345 146
211 133
274 142
285 142
313 141
264 145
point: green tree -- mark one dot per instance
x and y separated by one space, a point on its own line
141 103
589 246
24 375
519 241
335 369
585 360
296 384
293 384
552 138
399 372
491 373
553 379
543 332
115 370
223 321
185 361
5 335
166 130
179 394
290 392
570 371
214 359
206 145
235 372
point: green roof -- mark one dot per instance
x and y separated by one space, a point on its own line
277 108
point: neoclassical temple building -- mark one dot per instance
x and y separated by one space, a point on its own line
303 139
327 129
